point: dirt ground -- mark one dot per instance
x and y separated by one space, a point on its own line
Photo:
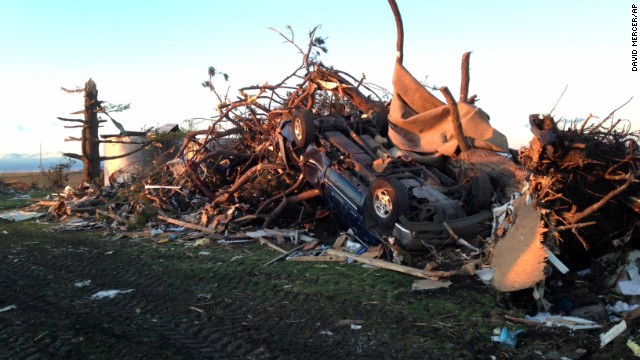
192 302
24 181
221 302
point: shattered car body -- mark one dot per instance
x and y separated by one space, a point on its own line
376 191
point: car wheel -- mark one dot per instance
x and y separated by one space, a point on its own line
379 115
303 127
386 201
478 190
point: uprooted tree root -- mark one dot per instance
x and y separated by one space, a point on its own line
585 181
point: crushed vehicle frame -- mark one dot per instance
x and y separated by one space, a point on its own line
377 191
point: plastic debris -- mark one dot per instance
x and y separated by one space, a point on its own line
7 308
621 307
356 327
201 242
635 348
21 197
109 294
571 322
629 287
83 283
485 274
553 259
613 333
229 242
19 215
428 284
506 338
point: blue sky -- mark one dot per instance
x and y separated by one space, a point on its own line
155 54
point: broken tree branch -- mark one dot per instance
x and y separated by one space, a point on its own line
458 132
243 179
609 116
284 194
573 218
464 85
71 120
288 201
559 98
103 158
399 31
73 156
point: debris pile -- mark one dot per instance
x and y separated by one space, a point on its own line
282 158
584 180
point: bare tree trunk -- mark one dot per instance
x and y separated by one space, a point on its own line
90 144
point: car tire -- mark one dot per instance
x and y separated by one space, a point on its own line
386 201
379 115
304 129
479 191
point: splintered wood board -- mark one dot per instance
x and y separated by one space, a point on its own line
519 258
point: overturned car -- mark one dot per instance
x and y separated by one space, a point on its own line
377 190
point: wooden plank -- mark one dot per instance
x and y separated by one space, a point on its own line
203 229
268 243
320 258
435 275
113 216
284 255
47 202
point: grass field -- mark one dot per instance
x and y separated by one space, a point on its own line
24 181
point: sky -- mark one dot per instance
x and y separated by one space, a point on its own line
155 54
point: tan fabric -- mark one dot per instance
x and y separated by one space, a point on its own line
420 122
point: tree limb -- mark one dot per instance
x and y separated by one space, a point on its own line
574 218
463 142
72 120
464 86
399 31
104 158
73 156
288 201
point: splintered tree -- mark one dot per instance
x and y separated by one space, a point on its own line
90 143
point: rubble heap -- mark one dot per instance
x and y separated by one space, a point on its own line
585 182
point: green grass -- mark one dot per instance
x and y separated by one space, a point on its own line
8 201
466 306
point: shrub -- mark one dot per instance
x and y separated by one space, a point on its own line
57 175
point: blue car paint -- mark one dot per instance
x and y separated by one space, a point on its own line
344 199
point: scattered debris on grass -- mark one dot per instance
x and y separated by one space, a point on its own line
323 151
109 294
